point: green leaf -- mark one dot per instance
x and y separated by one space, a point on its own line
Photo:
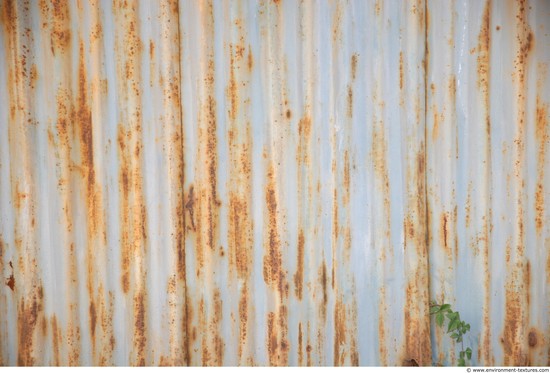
454 336
445 307
469 353
453 316
439 319
462 353
461 363
452 325
459 339
434 309
467 327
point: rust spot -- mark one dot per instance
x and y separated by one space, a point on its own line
299 275
189 205
250 59
409 363
29 313
498 28
288 114
151 50
354 66
33 76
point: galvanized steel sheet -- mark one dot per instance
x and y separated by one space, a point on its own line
273 182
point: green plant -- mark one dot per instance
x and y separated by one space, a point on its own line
455 327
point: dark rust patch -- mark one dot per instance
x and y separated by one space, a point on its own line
29 314
93 320
532 338
250 59
300 346
10 281
190 206
354 58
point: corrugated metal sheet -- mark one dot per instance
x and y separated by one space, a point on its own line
273 182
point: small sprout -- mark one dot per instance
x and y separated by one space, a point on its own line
456 328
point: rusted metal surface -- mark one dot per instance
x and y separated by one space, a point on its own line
273 182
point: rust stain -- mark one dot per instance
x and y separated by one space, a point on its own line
56 340
272 265
299 275
435 130
243 321
401 71
300 346
382 311
444 232
543 137
350 102
512 338
277 339
29 314
140 328
232 89
339 333
240 206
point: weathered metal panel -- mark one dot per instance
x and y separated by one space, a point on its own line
272 182
487 130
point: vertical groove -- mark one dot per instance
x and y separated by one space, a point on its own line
182 165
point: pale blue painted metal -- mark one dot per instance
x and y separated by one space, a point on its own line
273 182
